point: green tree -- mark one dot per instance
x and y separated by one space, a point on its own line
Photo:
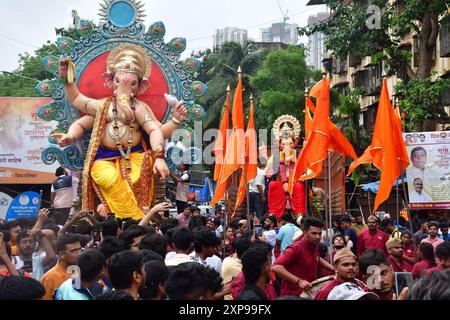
347 115
21 82
221 71
352 30
280 85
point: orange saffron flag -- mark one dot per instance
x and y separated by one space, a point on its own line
219 150
308 118
338 141
235 151
400 142
384 149
221 141
251 158
316 146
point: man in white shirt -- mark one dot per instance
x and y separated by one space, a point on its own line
182 184
62 191
182 244
417 196
256 193
420 169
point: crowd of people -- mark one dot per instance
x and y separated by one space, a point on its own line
193 257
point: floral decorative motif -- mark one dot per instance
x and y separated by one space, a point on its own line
86 28
196 112
45 88
178 45
65 44
198 89
47 112
157 30
50 63
192 65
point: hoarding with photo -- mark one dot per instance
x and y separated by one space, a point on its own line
428 174
23 136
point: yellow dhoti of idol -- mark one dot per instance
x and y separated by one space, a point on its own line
125 194
120 193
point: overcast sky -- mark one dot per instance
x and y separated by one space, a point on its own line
26 24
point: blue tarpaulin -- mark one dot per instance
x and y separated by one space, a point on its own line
373 186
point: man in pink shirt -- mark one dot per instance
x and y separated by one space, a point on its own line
184 217
433 238
372 238
298 266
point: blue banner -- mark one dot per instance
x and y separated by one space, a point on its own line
25 205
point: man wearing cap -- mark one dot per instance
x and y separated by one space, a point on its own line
243 226
372 238
396 262
344 263
351 291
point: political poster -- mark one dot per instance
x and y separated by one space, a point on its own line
23 136
428 174
25 205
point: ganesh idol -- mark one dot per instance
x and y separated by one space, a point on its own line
280 167
120 166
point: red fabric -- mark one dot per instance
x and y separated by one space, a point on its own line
420 268
5 273
435 269
402 267
368 241
239 284
410 250
325 291
276 199
91 85
302 260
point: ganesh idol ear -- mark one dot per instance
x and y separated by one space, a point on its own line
143 86
108 78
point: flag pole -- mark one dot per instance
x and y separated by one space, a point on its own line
244 172
226 192
247 183
330 211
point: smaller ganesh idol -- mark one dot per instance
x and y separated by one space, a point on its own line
280 167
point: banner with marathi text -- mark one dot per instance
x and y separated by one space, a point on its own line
428 174
23 136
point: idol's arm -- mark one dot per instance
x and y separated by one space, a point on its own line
73 95
75 132
148 122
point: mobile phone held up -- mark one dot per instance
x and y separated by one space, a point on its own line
402 280
258 231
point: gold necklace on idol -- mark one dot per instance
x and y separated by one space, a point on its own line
116 135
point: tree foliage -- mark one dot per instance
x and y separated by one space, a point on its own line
21 82
420 98
221 71
352 29
279 85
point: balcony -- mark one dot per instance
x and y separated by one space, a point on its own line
339 66
375 80
354 60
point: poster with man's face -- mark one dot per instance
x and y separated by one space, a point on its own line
428 174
